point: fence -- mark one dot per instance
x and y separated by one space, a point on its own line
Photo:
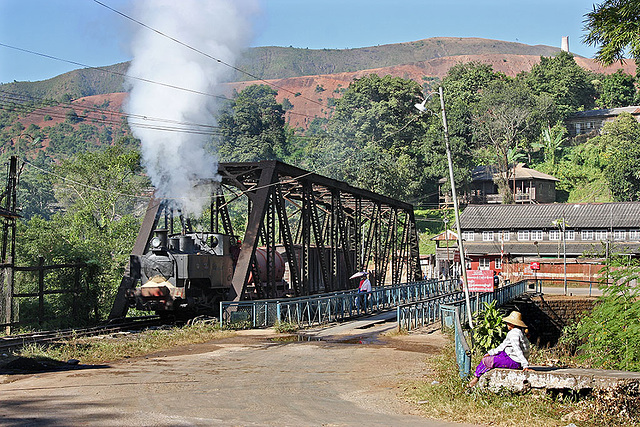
420 313
27 312
454 312
326 308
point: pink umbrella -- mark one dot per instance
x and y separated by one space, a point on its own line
358 274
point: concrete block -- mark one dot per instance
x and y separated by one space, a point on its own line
555 379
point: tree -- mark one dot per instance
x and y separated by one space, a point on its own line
252 127
96 222
374 138
622 170
502 120
613 25
565 82
615 90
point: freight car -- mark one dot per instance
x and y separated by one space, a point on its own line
189 272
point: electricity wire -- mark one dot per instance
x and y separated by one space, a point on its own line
233 67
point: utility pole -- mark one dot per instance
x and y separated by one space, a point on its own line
463 261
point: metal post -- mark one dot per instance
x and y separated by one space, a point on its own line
455 210
564 252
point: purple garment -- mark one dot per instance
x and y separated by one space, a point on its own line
500 360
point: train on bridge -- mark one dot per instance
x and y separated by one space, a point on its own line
304 234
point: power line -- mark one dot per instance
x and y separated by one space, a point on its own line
113 72
207 55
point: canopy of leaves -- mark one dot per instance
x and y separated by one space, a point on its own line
564 81
96 222
614 26
373 138
252 127
615 90
620 139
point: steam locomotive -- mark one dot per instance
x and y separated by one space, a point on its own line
190 272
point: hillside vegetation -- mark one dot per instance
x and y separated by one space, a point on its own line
284 62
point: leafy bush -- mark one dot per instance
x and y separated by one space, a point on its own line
612 332
489 330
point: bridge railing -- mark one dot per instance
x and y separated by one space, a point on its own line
325 308
454 314
420 313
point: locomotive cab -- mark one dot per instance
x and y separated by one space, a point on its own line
188 270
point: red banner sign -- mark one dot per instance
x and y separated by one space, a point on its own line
480 280
535 265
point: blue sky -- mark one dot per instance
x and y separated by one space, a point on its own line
87 33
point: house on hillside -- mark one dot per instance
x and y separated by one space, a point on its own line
530 186
508 238
584 122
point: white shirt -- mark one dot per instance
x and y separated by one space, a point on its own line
365 286
517 347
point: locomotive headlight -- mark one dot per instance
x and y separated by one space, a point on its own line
156 242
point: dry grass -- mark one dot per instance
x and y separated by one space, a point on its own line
93 350
445 396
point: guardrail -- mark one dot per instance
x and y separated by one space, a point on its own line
454 312
326 308
420 313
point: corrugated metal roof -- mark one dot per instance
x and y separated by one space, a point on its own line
606 112
544 248
577 216
491 173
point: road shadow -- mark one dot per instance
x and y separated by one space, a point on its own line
28 365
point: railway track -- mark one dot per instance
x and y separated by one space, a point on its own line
14 342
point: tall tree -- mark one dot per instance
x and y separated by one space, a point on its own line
374 138
622 170
502 120
252 127
615 90
565 82
614 26
95 222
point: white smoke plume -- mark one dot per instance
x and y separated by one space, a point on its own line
176 160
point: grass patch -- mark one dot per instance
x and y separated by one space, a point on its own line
286 328
91 350
444 396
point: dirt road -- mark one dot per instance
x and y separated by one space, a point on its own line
352 377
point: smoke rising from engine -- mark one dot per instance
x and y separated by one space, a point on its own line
173 154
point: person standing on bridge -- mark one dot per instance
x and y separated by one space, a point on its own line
511 354
365 286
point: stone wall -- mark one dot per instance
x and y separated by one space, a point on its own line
547 316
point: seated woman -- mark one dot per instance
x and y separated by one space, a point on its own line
512 353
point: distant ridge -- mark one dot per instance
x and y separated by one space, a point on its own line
285 62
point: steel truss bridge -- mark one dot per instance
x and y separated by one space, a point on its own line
324 229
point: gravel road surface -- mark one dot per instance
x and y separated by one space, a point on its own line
345 376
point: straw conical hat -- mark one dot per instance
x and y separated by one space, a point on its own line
515 318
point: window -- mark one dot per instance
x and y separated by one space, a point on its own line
503 236
487 236
467 235
570 234
498 263
634 235
523 234
600 235
554 234
587 235
536 235
484 264
619 234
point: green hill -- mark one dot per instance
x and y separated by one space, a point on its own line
282 62
77 83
